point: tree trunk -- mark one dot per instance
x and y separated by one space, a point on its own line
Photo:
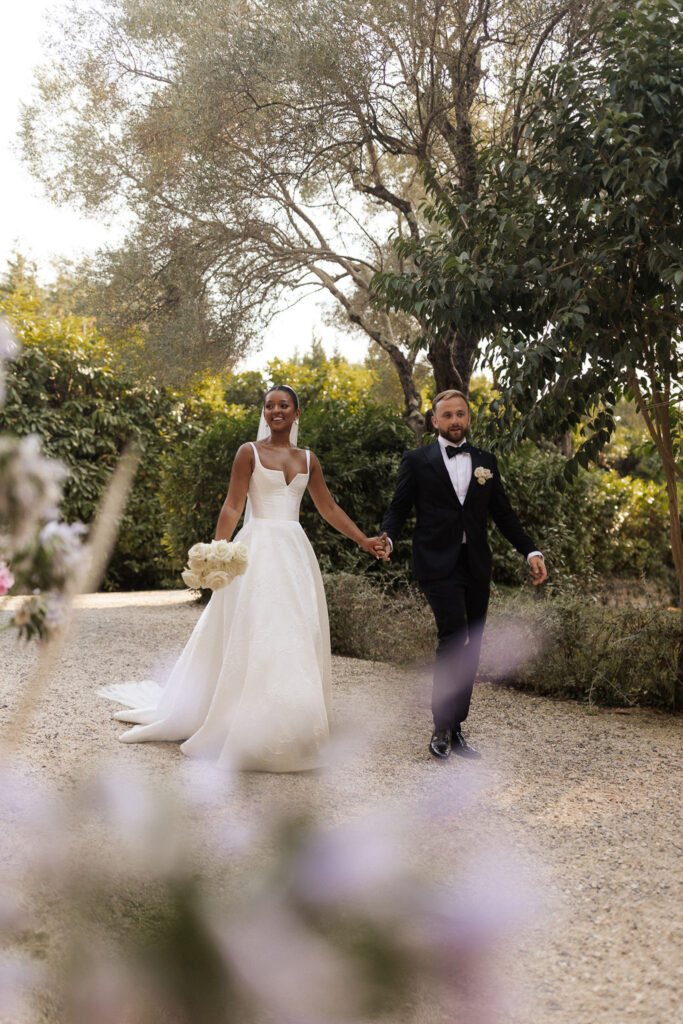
675 528
452 360
660 432
446 376
465 348
412 413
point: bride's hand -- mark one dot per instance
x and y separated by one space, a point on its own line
377 547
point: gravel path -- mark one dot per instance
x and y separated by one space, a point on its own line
587 802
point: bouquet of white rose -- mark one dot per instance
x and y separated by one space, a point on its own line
211 566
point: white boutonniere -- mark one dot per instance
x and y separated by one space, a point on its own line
482 474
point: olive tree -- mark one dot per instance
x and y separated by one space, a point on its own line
268 149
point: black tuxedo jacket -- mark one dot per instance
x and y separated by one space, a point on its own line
423 483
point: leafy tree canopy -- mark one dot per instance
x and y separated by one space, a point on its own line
571 259
261 151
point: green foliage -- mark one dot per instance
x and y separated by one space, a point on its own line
60 388
356 606
359 446
574 647
626 655
630 451
570 257
600 524
195 476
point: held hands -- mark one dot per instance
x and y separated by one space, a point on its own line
538 569
379 547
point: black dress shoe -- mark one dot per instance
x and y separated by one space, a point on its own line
440 744
460 745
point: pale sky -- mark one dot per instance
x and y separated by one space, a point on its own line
35 227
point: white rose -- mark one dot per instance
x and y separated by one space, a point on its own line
216 580
191 580
482 474
240 557
197 551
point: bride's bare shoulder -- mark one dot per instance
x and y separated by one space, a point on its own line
244 455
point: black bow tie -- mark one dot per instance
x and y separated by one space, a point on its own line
451 450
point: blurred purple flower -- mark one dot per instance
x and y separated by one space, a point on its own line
142 825
358 862
289 969
31 490
18 977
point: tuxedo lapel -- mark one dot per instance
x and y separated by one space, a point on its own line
435 460
476 462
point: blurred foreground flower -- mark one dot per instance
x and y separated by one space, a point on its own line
30 493
157 913
38 555
43 554
6 579
8 349
44 568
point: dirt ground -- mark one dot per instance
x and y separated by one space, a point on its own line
586 803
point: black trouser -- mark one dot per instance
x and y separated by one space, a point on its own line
459 604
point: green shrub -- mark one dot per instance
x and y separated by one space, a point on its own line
571 647
359 447
557 646
195 476
600 524
366 622
630 525
85 415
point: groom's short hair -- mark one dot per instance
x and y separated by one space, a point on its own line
451 393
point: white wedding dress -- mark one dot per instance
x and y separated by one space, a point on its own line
251 688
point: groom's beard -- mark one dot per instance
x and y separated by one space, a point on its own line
454 434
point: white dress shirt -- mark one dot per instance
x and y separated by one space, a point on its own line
459 469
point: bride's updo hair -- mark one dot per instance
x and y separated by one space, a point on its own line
284 387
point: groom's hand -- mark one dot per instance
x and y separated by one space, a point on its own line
538 569
382 547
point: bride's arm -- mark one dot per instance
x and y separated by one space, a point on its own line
333 514
233 506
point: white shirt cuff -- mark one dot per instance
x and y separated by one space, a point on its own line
532 553
390 543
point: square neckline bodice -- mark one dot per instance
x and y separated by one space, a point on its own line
267 469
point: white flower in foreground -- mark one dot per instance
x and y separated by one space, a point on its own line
482 474
8 350
31 489
64 542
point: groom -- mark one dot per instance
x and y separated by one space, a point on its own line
454 487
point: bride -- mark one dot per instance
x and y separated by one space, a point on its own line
251 689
